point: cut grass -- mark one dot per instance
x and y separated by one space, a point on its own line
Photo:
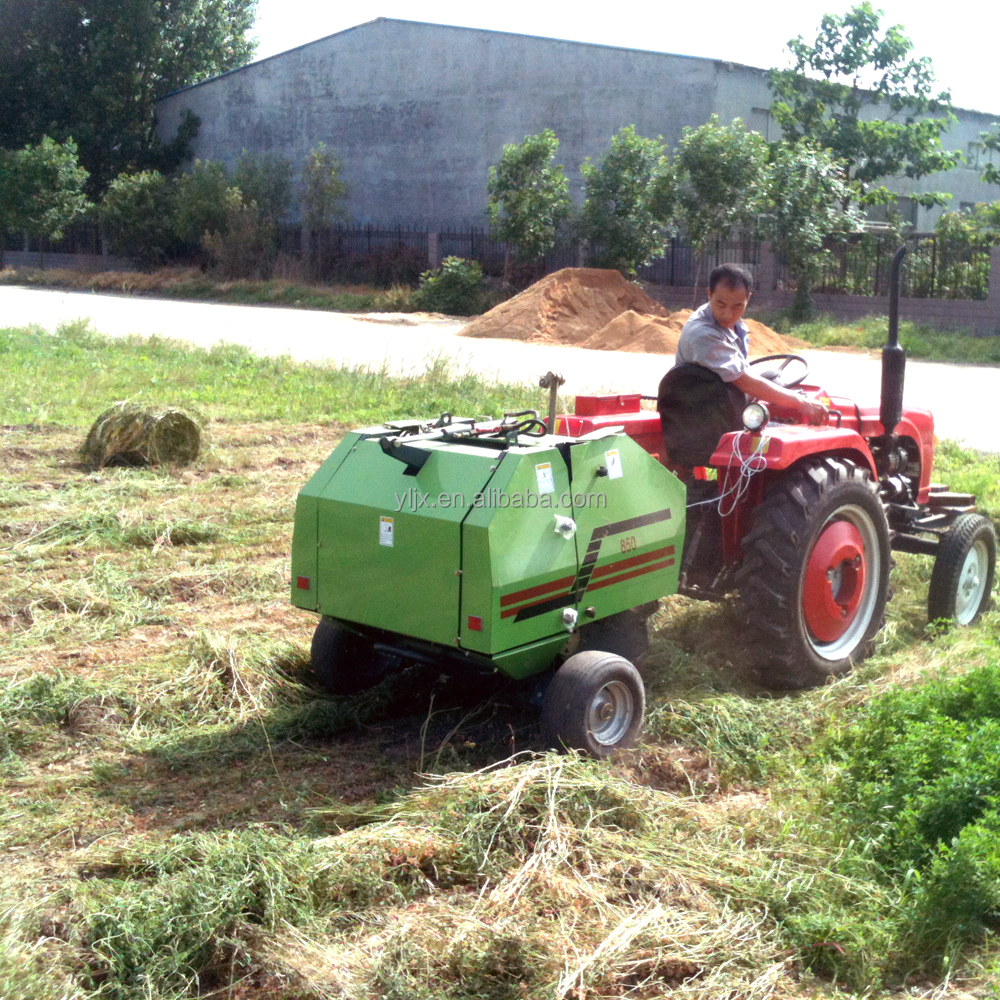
184 814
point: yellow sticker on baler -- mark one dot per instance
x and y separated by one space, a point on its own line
385 531
546 481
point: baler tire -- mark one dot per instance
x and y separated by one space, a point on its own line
343 661
814 610
594 704
964 568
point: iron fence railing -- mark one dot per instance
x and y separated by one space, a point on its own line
934 268
377 254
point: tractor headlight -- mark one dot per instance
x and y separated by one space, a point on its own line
755 416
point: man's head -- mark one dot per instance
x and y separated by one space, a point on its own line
729 288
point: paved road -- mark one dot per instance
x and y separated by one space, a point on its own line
965 399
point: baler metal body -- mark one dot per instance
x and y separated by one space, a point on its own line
480 544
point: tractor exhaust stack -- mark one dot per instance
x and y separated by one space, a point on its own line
893 357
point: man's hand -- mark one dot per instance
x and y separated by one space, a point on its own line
760 388
813 412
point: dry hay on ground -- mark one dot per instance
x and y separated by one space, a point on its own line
600 310
126 434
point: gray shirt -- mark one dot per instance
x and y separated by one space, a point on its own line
704 342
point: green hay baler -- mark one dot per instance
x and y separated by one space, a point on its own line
492 545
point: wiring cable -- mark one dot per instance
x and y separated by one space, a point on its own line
750 464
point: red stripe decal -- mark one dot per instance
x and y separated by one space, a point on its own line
543 588
621 564
531 604
628 576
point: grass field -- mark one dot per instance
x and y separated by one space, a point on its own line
184 814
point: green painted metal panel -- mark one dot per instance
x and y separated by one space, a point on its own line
305 537
514 561
390 542
523 661
630 516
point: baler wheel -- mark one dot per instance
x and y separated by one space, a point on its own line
594 703
343 661
962 578
815 574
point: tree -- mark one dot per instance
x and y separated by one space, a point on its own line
137 213
41 189
206 203
322 197
623 191
94 68
266 182
859 92
528 197
806 193
991 141
721 171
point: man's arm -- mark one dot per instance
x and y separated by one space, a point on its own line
762 388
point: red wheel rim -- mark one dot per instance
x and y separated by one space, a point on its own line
835 581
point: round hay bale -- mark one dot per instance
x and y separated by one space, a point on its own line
127 434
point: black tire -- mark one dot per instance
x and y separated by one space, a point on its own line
815 607
962 578
594 703
342 661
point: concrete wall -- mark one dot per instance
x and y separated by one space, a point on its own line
419 112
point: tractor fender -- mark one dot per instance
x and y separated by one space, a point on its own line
780 446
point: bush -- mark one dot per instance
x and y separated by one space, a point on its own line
456 288
137 214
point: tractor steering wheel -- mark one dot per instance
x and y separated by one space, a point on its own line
774 375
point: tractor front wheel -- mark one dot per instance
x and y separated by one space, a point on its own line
594 703
815 574
962 578
342 661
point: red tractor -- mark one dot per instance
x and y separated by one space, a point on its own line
801 521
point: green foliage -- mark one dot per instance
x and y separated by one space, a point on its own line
857 91
722 180
920 788
206 202
93 70
528 195
806 198
137 215
323 192
41 188
455 288
991 141
618 213
265 182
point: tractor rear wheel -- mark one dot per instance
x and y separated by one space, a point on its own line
815 574
342 661
962 578
594 703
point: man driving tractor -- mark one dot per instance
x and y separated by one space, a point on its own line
715 337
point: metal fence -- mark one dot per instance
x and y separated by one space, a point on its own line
934 268
386 255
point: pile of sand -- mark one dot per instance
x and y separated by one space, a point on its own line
566 307
600 310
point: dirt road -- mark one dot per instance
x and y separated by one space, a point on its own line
961 396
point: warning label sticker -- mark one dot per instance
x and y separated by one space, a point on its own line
385 530
614 460
546 482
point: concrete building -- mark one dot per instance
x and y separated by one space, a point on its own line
419 112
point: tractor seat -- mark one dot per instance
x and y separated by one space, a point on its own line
696 408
